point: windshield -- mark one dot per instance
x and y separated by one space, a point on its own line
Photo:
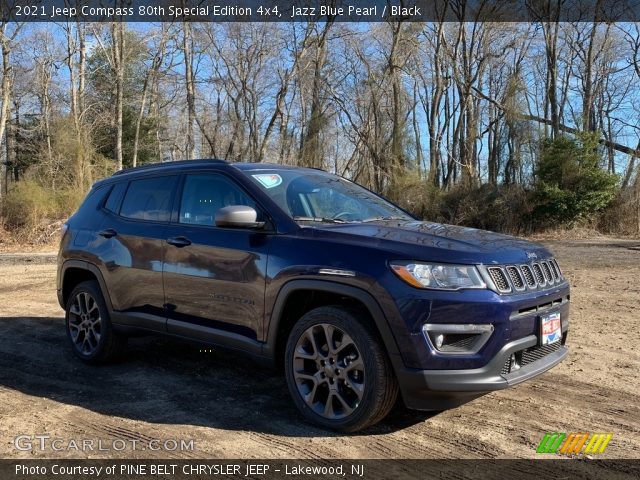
320 197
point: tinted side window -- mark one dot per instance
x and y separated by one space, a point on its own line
204 194
149 199
113 201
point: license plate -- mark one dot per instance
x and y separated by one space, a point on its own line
550 328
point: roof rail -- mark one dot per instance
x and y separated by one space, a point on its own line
162 165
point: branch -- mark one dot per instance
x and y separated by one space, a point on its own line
565 128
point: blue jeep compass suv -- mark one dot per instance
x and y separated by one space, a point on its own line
354 298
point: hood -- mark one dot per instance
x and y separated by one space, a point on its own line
427 241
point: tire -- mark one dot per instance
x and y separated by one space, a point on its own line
88 326
347 387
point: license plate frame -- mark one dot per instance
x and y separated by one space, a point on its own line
550 328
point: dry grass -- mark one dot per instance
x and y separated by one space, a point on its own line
573 233
44 239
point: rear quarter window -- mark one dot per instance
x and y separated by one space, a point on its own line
86 216
149 199
93 200
115 196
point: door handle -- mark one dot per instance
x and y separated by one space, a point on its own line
108 233
179 241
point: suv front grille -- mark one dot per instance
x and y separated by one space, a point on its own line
527 277
527 356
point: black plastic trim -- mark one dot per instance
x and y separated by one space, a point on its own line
83 265
438 389
346 290
214 336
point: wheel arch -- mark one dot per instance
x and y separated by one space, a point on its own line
285 313
76 271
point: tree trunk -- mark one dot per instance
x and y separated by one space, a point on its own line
118 39
435 136
45 106
6 99
82 65
588 94
187 50
397 153
310 148
550 31
148 80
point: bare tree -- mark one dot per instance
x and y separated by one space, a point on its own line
550 29
118 55
149 78
310 148
7 36
189 82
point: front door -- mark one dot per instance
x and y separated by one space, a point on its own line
214 278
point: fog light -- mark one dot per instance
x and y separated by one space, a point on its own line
457 339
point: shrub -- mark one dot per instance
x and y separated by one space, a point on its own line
28 206
414 194
72 161
622 216
497 208
570 185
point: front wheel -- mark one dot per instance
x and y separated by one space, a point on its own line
88 325
337 370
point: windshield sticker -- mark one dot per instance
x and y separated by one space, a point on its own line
268 180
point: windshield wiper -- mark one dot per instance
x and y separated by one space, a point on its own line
377 219
319 219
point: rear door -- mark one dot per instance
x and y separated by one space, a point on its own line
134 229
214 278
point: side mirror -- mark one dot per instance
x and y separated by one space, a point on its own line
237 216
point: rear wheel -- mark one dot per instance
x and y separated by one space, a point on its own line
337 370
88 325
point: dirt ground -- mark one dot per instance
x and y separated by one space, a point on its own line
233 409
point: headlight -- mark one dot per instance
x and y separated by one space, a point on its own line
443 277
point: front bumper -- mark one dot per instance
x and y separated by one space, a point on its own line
442 389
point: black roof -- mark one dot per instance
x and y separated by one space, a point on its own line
194 164
172 165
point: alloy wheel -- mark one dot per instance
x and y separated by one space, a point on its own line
329 371
85 323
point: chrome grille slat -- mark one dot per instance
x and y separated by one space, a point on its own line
499 279
516 277
528 276
547 272
554 271
537 270
557 267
